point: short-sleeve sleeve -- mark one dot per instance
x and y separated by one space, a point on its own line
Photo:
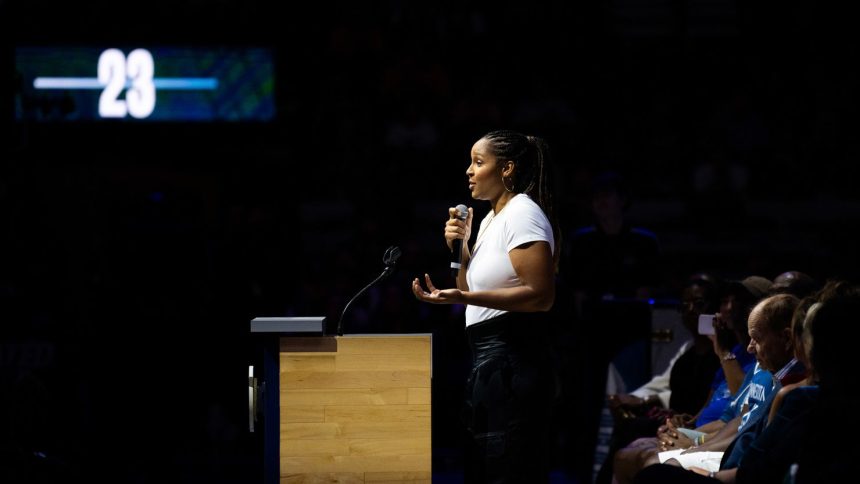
527 223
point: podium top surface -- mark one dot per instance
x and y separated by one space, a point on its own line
303 325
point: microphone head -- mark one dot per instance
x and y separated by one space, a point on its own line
391 255
463 211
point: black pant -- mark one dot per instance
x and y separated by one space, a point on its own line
508 400
625 432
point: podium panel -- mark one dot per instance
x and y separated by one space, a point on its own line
355 411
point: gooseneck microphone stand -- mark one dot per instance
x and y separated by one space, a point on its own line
390 260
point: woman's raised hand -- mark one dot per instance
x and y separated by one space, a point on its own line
456 228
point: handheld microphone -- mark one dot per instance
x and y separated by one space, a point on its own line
390 260
457 244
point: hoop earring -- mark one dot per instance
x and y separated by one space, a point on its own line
509 190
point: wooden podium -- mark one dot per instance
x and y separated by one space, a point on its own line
353 408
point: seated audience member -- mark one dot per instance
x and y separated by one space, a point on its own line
737 299
755 389
772 344
832 289
798 323
829 445
730 344
818 327
795 282
681 388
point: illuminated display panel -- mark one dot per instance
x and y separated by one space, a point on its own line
140 84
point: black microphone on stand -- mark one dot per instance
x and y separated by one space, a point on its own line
390 260
457 244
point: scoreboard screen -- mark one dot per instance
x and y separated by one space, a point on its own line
139 84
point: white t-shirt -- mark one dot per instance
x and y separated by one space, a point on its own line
519 222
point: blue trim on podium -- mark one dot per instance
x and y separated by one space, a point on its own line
271 411
270 330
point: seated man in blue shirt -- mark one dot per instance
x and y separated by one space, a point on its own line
730 344
772 344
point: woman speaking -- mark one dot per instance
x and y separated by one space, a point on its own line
507 284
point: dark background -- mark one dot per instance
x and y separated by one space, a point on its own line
128 276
